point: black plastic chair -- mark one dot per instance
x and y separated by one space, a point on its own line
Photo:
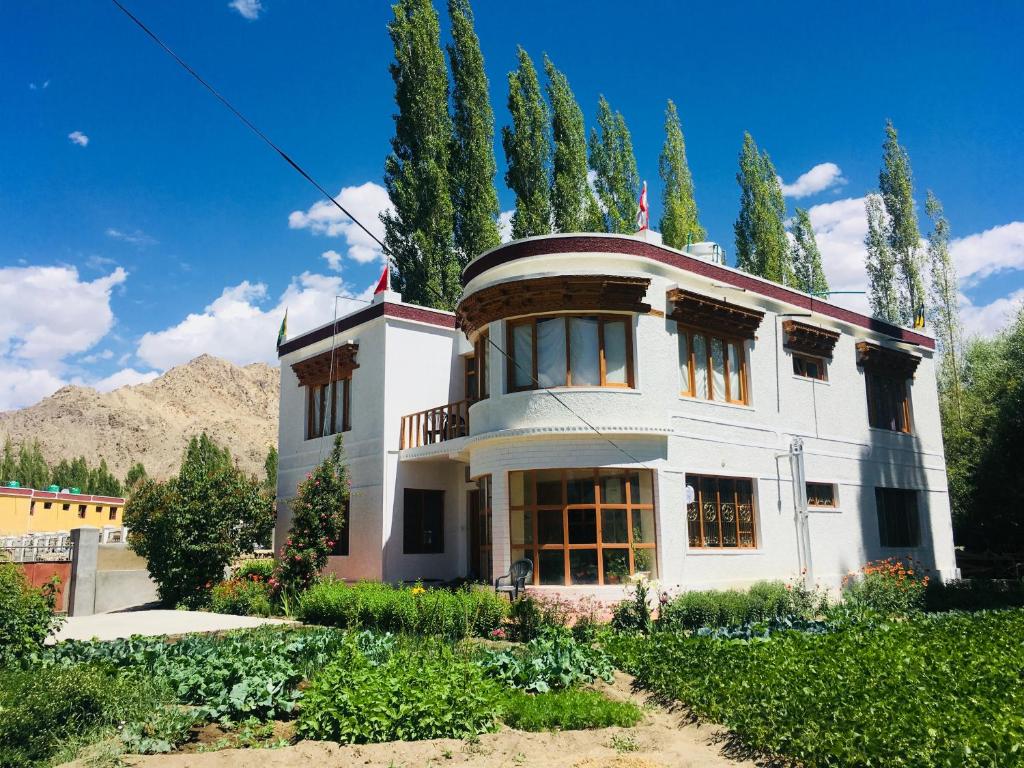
515 580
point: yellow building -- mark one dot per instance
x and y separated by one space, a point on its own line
26 510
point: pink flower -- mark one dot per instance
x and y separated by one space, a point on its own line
498 634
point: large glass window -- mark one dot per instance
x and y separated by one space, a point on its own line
570 351
712 367
327 409
888 402
583 526
423 531
722 512
898 521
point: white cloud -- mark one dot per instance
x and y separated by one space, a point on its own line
49 314
821 177
126 377
106 354
333 259
986 253
79 138
135 237
366 202
988 319
505 225
236 327
249 9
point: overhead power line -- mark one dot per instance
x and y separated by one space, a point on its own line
387 254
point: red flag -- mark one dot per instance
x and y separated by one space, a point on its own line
643 216
384 284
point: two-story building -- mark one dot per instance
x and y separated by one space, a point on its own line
606 406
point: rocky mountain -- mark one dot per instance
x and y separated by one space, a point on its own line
153 422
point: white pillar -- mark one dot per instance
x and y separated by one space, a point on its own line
501 553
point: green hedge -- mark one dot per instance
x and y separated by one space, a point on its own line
764 601
409 610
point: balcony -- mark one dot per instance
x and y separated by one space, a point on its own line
435 425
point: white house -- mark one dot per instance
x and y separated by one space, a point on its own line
604 405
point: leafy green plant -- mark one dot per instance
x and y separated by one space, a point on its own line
634 613
26 615
932 690
160 731
887 587
428 692
572 709
529 615
241 597
974 595
554 660
254 570
765 601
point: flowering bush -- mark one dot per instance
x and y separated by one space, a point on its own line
242 597
318 515
889 587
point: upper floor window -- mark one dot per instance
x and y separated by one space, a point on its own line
722 512
570 351
712 367
886 372
811 347
810 367
327 408
470 376
482 377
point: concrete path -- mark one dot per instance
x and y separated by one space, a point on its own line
109 626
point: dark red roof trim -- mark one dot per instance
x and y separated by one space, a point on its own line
365 315
53 496
600 244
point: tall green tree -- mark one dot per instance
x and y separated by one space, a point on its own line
679 220
572 201
944 307
419 232
616 180
32 470
8 462
896 185
880 262
136 474
527 151
807 268
102 481
761 244
473 167
270 469
203 451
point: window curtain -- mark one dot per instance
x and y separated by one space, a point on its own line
583 349
615 363
522 353
551 352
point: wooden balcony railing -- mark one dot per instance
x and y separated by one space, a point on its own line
435 425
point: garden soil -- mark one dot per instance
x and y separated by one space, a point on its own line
663 740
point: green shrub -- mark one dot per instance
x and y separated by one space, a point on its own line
568 710
26 615
402 610
633 615
887 588
530 614
934 690
49 711
764 601
429 692
974 595
241 597
262 569
551 661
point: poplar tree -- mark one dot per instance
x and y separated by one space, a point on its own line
679 223
895 183
32 470
572 201
807 268
8 463
613 161
419 233
880 262
944 301
527 151
761 244
474 197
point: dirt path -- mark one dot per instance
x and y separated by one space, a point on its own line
660 741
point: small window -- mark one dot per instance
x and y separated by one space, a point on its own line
712 367
31 508
47 504
65 507
424 522
821 495
81 510
341 545
112 515
898 522
888 402
327 408
722 512
810 367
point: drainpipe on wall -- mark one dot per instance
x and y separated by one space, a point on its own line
803 532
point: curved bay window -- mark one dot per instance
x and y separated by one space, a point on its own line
570 351
712 367
722 512
583 526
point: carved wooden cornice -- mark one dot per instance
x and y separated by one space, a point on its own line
809 339
319 369
700 311
883 360
560 293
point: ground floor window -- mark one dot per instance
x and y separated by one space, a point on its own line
898 521
583 526
722 512
423 532
821 495
480 528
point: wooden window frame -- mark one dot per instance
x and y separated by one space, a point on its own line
834 504
481 354
871 384
485 506
328 427
726 340
420 548
913 520
112 514
821 362
81 511
471 377
695 513
630 546
602 317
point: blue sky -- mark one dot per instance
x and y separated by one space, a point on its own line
141 224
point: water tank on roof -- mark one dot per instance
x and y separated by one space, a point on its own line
13 484
76 490
53 488
706 251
